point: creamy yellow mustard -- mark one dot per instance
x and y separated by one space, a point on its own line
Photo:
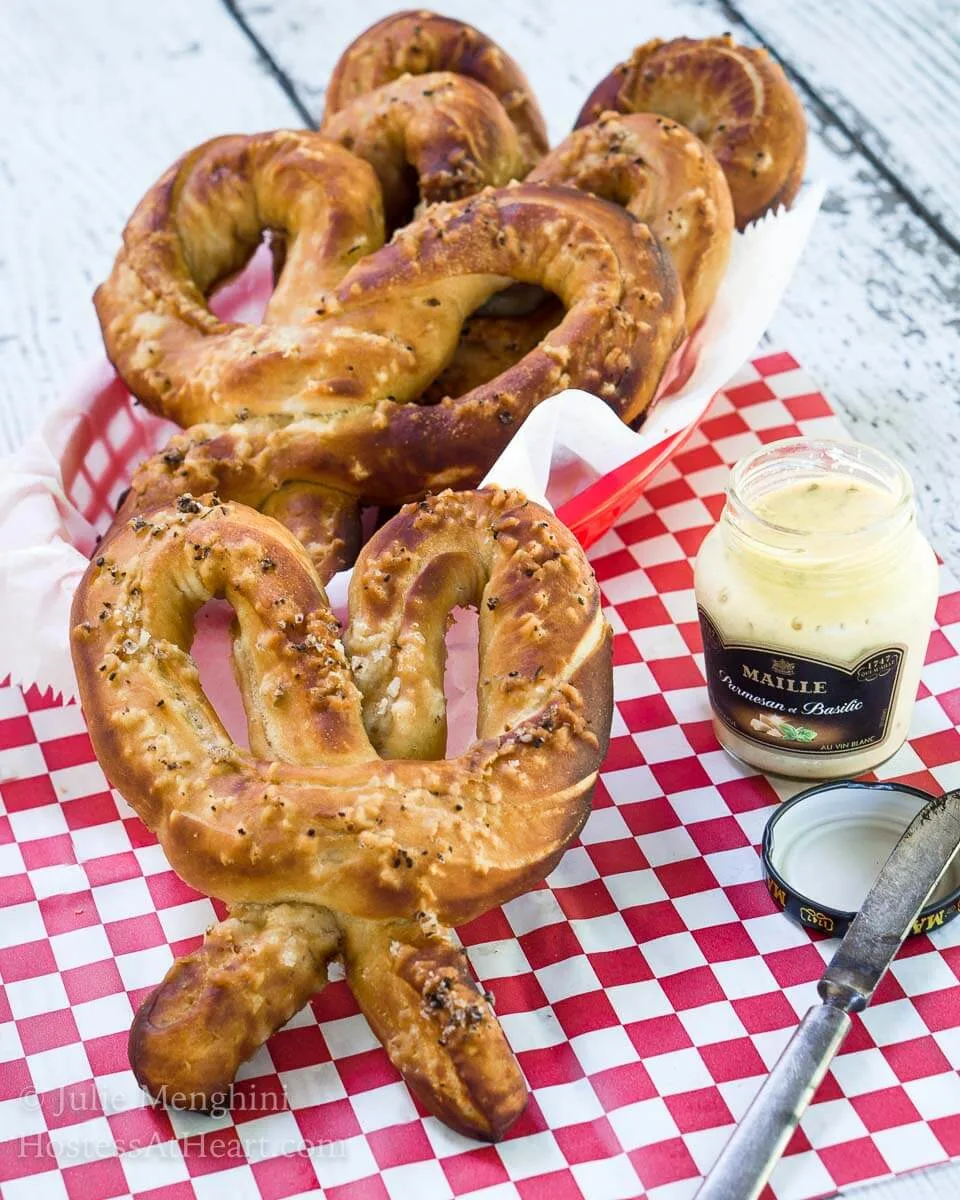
810 570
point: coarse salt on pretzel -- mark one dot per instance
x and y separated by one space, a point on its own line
662 174
200 223
322 846
469 126
541 688
736 99
417 42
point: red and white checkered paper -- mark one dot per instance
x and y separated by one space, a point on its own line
646 987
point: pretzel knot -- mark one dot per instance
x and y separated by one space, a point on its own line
342 831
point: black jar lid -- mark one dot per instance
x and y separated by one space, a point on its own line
823 849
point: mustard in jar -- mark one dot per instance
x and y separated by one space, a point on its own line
816 593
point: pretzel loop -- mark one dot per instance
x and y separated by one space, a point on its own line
200 224
665 177
452 132
420 42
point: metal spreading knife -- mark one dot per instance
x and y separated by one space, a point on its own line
907 878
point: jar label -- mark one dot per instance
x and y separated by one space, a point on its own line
785 701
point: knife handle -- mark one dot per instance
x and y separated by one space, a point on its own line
747 1160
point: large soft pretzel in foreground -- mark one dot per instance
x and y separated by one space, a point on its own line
323 846
736 99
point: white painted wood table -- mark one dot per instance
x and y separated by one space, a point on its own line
99 98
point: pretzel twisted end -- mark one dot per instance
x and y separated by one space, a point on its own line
220 1003
438 1027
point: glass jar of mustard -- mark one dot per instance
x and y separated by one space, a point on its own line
816 594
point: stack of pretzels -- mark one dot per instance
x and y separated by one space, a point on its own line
438 273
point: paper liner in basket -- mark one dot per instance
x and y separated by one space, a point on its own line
60 490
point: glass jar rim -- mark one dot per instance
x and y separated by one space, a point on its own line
847 456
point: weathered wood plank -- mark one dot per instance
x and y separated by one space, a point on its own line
874 310
890 72
97 100
564 48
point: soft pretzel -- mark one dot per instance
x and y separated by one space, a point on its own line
736 99
452 131
198 225
663 175
321 845
411 42
334 401
420 42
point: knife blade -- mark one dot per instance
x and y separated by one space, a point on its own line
914 868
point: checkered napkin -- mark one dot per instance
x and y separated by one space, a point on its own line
646 987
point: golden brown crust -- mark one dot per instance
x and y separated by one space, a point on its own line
337 405
438 1027
371 838
216 1006
312 815
325 521
418 42
490 345
736 99
342 389
450 130
663 175
257 968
